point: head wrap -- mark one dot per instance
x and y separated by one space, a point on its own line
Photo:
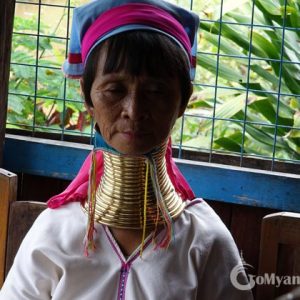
98 20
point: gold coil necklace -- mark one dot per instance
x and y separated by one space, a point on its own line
127 195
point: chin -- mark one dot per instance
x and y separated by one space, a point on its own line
134 152
136 146
131 150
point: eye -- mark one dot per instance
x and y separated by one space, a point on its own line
115 89
156 89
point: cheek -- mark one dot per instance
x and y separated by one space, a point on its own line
106 126
103 118
106 118
102 112
168 116
105 132
163 126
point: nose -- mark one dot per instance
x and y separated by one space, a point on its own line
134 107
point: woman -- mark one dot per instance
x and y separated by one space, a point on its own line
146 236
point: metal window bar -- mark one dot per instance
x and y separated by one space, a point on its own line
279 84
183 117
247 83
45 4
219 83
65 80
37 66
216 84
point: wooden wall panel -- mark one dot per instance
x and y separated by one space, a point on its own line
38 188
246 228
6 25
224 210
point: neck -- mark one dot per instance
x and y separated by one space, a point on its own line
133 191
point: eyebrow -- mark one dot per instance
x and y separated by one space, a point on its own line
118 77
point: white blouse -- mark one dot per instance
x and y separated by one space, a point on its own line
50 263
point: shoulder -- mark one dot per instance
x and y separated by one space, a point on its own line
201 215
55 225
205 226
61 216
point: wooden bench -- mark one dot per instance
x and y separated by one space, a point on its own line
16 219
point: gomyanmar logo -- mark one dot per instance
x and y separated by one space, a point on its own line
265 279
240 269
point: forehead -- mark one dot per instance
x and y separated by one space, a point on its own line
136 57
142 82
126 73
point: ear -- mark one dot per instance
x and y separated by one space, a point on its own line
89 108
81 87
185 102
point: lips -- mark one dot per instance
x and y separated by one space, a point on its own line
134 134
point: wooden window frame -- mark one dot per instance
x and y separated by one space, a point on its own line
7 10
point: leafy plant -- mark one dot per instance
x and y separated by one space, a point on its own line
262 57
39 95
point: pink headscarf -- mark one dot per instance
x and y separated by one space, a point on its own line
77 191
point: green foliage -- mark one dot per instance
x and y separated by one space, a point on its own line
266 114
37 87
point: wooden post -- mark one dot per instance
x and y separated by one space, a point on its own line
7 8
8 194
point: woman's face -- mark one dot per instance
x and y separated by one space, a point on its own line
134 114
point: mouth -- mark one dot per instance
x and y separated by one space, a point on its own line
134 134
